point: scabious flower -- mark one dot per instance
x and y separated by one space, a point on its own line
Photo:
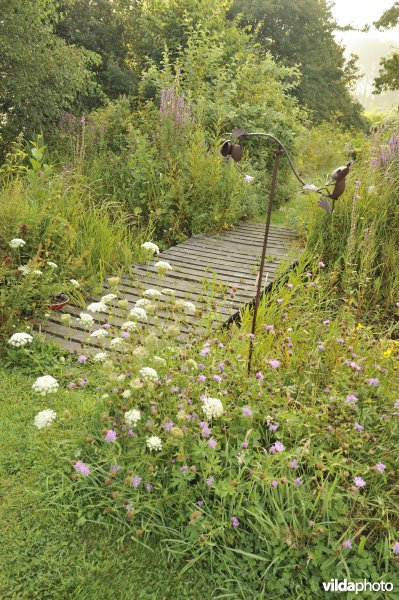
359 482
81 468
351 399
17 243
149 374
139 314
136 481
273 427
294 464
274 483
358 427
321 264
45 385
86 320
163 267
212 407
19 340
277 447
151 293
210 481
246 411
373 381
100 356
274 363
97 307
347 544
259 376
150 247
212 443
154 443
380 467
298 481
132 417
206 431
235 522
395 548
111 436
45 418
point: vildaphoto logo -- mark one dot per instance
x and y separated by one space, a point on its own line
334 585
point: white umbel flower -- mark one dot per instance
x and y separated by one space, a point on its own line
75 283
45 418
99 333
18 340
138 313
188 307
150 247
132 417
168 292
25 269
17 243
86 320
45 385
159 360
212 408
126 394
100 356
154 443
129 326
153 294
163 267
37 272
116 342
97 307
108 298
143 303
148 374
51 264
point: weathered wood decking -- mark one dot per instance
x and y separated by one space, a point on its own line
217 273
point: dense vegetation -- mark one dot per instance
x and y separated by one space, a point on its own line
165 468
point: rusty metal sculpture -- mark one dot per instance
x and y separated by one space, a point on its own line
234 151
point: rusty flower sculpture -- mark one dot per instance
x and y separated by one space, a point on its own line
235 152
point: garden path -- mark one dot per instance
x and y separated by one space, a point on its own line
218 273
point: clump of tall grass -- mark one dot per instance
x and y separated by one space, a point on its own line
360 240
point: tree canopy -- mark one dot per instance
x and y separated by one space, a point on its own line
388 77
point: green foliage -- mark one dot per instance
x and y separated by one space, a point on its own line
301 33
359 241
40 73
388 77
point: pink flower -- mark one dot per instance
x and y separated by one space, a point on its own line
395 548
373 381
259 376
82 358
81 468
209 481
247 412
294 464
359 482
212 443
274 363
279 447
380 467
351 399
110 436
274 483
269 328
298 481
347 544
235 522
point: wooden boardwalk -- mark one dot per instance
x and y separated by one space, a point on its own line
217 273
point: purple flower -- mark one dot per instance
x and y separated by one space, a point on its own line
148 487
205 351
321 264
244 445
380 467
347 544
199 502
184 469
82 358
251 336
259 376
247 412
131 433
294 464
174 389
279 300
359 482
221 366
235 522
201 378
136 481
373 381
273 427
326 322
298 481
269 328
355 367
212 443
308 275
168 426
274 483
209 481
384 417
125 334
217 378
201 367
110 436
395 548
340 340
206 430
274 363
351 399
83 382
81 468
358 427
289 286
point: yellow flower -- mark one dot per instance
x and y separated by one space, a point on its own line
388 351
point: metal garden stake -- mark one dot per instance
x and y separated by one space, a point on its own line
234 151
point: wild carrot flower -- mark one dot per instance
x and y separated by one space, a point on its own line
163 267
154 443
45 418
17 243
97 307
139 314
86 320
149 374
212 407
45 385
19 340
150 247
100 356
132 417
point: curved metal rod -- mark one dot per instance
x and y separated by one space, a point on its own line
273 137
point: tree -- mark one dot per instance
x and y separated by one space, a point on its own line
388 77
300 33
40 75
98 26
